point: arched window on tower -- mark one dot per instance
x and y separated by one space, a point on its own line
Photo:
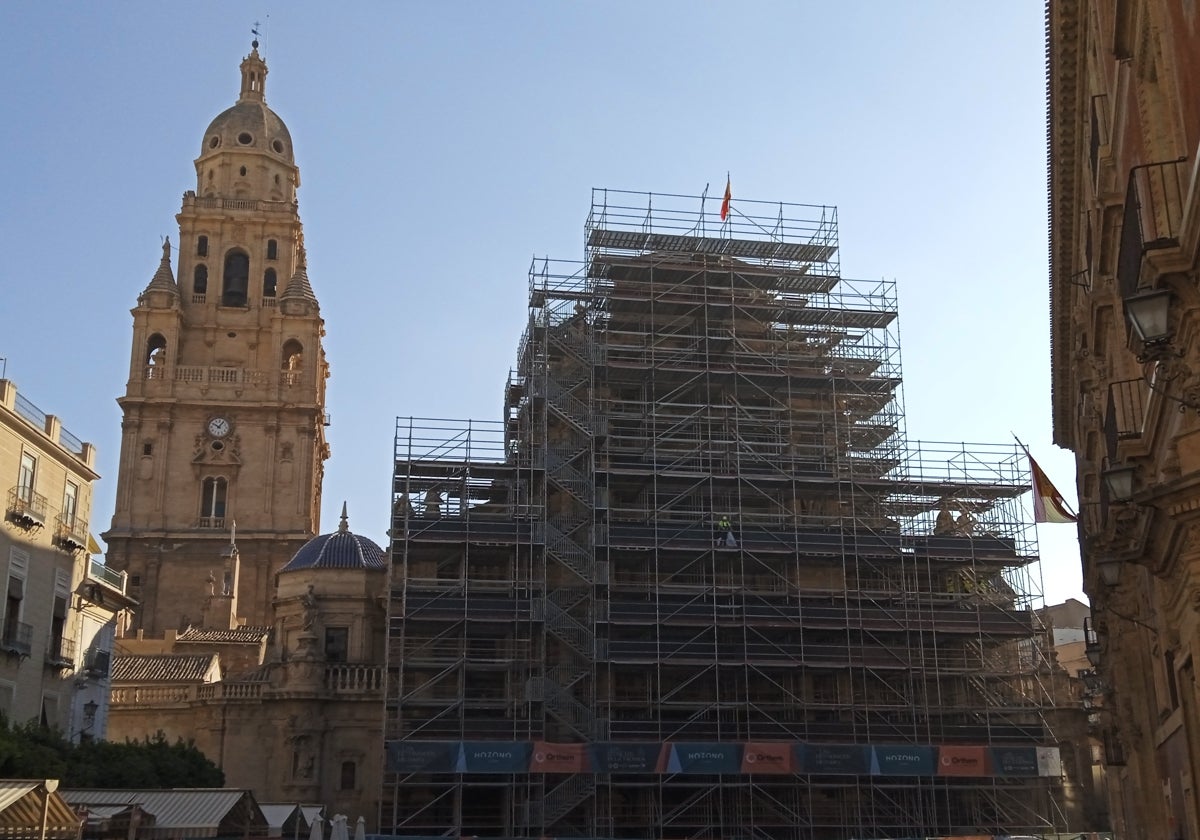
236 280
201 246
272 247
292 361
212 503
156 357
269 283
199 284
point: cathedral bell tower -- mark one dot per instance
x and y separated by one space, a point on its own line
225 405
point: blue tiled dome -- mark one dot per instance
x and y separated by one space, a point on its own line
339 550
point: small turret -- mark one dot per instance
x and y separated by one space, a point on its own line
162 291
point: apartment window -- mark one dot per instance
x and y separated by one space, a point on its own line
272 249
49 719
58 624
13 602
70 502
337 644
349 772
212 502
26 477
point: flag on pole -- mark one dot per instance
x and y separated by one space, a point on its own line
725 200
1048 504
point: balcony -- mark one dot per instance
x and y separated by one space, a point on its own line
27 508
216 523
18 638
110 578
60 653
1154 208
70 532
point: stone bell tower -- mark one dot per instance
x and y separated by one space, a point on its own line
224 410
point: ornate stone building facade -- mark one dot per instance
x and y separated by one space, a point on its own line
1124 126
256 638
225 406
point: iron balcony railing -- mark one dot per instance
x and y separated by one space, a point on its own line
18 638
27 507
60 652
1154 209
71 531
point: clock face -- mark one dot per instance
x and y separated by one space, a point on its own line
218 427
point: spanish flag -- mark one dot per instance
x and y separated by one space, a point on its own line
1048 503
725 200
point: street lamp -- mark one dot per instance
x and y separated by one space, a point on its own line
1109 568
1148 312
1119 481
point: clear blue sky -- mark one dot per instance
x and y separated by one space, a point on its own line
442 145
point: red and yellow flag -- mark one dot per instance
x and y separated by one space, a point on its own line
725 200
1048 503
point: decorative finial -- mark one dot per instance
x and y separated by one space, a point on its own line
167 248
345 526
254 32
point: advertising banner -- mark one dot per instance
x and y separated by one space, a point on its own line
761 757
1049 762
495 757
833 759
963 761
422 756
1014 761
558 758
705 757
628 757
903 761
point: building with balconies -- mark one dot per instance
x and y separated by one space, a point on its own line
62 606
1124 127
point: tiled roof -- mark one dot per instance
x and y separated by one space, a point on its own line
162 667
337 551
261 674
178 809
238 636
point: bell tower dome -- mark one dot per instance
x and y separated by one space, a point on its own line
225 403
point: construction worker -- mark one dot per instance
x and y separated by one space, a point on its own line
725 532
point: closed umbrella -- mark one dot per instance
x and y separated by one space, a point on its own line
316 833
340 831
360 829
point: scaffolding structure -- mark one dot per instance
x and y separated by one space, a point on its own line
700 524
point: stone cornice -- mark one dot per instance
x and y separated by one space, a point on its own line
1064 91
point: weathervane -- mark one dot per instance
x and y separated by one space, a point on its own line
254 32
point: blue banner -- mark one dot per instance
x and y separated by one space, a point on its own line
833 759
705 758
625 757
422 756
495 757
903 761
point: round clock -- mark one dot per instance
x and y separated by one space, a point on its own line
218 427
